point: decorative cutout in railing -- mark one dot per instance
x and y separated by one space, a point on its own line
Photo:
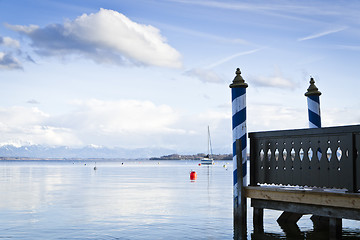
323 157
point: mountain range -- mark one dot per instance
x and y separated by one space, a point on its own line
41 151
91 151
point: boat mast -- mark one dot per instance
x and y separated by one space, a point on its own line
209 142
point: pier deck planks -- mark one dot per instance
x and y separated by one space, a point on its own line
314 197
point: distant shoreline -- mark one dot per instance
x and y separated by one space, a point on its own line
166 157
193 157
62 159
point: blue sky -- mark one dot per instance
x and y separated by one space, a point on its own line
157 73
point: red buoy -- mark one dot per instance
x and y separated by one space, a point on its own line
193 175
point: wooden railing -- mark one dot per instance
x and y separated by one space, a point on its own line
322 157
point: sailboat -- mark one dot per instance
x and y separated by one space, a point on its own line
208 160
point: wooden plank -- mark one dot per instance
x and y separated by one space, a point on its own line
324 211
322 198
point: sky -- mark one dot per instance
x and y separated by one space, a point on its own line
156 73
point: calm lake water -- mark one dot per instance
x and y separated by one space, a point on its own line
128 200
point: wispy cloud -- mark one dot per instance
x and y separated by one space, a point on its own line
226 59
105 36
321 34
273 81
207 73
292 10
204 75
204 35
277 80
285 9
233 5
32 101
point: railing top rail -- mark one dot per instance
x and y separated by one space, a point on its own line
306 131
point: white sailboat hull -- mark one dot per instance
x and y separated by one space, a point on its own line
207 161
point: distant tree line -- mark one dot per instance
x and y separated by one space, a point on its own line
198 156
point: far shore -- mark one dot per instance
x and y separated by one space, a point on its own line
167 157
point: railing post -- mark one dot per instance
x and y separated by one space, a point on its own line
238 95
313 101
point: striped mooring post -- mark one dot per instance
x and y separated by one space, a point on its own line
238 95
313 101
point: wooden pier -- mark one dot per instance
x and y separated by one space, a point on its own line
306 171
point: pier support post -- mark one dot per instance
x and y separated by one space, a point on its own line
238 96
320 222
258 220
335 228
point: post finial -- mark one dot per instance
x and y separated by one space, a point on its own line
238 81
312 90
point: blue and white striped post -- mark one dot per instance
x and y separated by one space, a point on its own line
313 101
238 95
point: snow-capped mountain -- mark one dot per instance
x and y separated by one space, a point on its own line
92 151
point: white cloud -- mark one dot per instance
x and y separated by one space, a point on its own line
123 123
274 81
105 36
335 116
134 124
205 75
277 80
9 42
28 125
9 62
264 117
123 116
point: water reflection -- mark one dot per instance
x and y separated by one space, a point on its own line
134 200
304 230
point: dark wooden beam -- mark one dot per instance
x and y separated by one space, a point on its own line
325 211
